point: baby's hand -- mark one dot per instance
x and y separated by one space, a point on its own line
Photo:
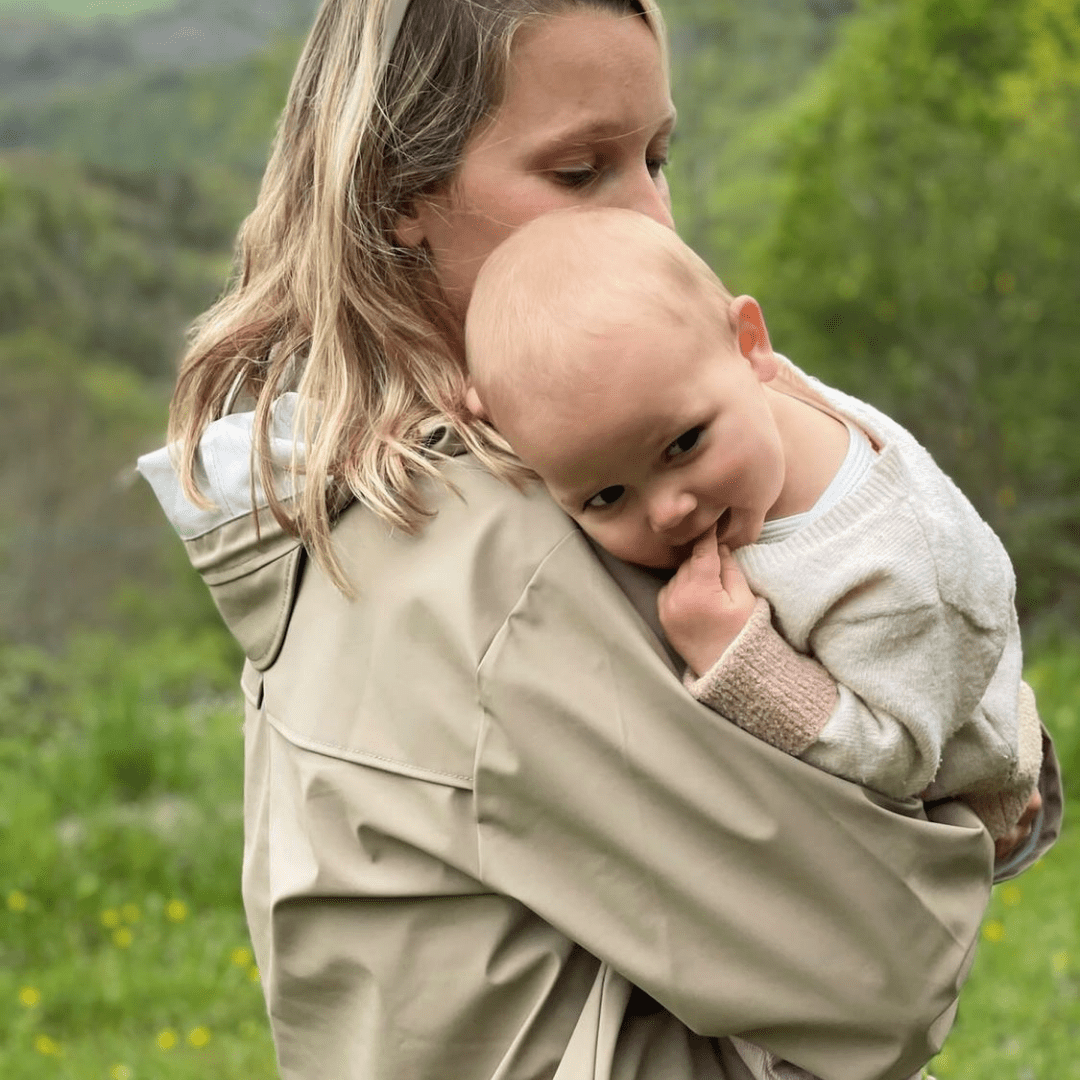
1005 846
705 605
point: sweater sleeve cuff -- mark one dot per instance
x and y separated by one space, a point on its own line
762 684
999 811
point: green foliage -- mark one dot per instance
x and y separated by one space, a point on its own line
108 263
1020 1011
122 940
75 527
734 66
99 274
215 122
1055 678
80 9
926 247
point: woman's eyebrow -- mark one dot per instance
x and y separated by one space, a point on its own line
601 129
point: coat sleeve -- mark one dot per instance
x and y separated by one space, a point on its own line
747 892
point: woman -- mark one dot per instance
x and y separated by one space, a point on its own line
487 832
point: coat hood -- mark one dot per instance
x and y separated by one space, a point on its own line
250 563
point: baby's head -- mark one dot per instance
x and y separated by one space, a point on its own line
601 347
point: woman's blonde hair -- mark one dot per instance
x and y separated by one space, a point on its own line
325 300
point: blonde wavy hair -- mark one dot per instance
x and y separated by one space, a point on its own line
325 301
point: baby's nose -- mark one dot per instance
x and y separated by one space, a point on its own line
668 513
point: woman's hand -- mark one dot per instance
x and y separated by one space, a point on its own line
706 604
1007 844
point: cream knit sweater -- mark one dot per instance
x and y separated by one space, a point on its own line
898 604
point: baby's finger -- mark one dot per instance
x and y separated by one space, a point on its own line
705 546
731 577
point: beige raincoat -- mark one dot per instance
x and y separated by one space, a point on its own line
490 836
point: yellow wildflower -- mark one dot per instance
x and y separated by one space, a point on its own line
241 956
110 918
177 911
29 996
130 913
49 1047
1060 961
120 1072
17 901
198 1037
1010 894
253 974
123 937
994 930
166 1039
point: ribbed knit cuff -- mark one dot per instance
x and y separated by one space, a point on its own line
999 811
762 684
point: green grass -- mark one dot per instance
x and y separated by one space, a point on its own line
80 9
1019 1014
123 949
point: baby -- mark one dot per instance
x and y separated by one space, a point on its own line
834 593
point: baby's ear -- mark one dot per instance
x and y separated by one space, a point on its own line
474 404
752 336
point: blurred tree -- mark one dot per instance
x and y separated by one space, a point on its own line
734 66
926 252
110 263
214 121
72 527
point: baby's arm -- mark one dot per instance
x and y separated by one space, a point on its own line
747 672
744 669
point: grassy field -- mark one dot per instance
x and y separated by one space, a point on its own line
123 950
80 9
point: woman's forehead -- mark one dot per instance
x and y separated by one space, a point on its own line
585 76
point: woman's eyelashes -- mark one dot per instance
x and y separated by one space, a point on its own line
576 178
657 165
580 176
685 442
608 497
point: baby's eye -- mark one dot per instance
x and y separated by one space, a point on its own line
608 497
685 442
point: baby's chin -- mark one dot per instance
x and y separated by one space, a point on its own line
669 559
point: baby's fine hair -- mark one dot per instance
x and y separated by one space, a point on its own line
571 276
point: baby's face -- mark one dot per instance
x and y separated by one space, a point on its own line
669 434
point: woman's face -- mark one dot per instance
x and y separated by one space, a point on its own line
585 121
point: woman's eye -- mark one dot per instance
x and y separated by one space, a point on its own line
685 442
656 165
608 497
574 178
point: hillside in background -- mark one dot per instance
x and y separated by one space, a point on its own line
909 216
130 149
119 201
42 52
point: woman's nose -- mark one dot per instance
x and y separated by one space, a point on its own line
647 194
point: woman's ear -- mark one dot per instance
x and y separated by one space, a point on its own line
748 326
409 228
474 404
420 220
